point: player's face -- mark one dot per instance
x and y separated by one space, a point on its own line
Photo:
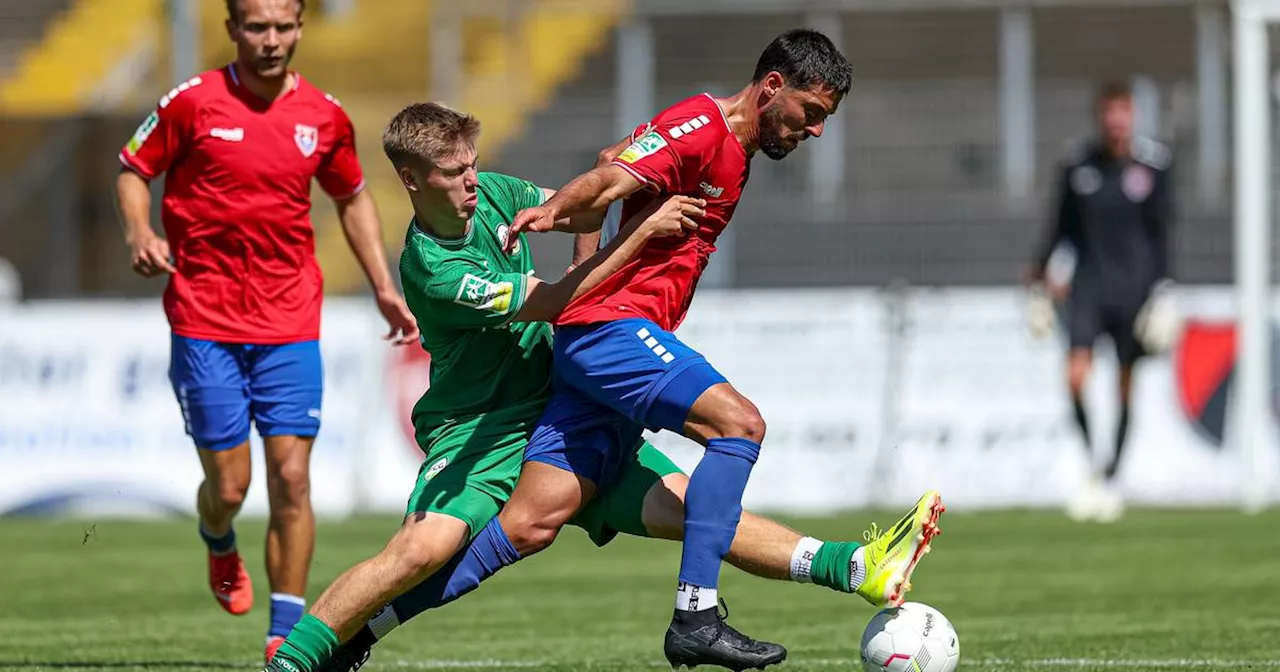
792 116
451 185
266 34
1115 117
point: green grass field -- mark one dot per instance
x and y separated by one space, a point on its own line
1026 591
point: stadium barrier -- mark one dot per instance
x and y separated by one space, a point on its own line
870 397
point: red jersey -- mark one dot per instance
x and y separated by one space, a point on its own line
687 149
237 202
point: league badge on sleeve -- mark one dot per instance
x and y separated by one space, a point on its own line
307 138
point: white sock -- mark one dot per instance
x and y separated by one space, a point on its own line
802 559
857 568
695 598
384 622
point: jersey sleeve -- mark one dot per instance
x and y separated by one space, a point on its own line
669 156
162 138
460 294
340 174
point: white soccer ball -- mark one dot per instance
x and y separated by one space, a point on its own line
912 638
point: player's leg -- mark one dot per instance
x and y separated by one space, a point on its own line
210 384
452 500
1084 327
575 446
648 375
286 388
649 501
1110 504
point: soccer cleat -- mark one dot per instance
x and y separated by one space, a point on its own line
348 657
273 643
230 583
891 557
703 638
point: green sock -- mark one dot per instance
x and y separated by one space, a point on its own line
310 644
831 565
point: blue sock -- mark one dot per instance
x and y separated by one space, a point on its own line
712 507
489 552
219 545
286 611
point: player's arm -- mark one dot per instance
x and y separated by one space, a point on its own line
544 301
159 141
588 243
587 222
1161 224
148 252
1064 225
341 177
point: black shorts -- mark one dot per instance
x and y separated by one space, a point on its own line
1090 316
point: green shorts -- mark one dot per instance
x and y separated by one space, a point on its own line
471 467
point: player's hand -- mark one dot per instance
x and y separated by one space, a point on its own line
149 256
529 220
674 217
404 328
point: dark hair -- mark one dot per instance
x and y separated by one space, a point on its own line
1114 89
233 9
806 59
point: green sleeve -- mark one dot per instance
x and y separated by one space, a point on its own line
459 293
510 194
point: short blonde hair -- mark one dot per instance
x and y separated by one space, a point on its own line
427 132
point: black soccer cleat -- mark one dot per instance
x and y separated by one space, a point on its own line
351 656
703 638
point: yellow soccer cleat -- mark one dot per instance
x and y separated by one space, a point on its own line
890 558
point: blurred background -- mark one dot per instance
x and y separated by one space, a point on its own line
866 294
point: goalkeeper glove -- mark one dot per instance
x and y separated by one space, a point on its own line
1158 323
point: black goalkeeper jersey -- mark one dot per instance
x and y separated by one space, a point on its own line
1117 213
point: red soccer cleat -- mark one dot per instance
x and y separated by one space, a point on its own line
230 583
273 643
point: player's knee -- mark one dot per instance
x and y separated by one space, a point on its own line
530 536
415 558
743 420
291 483
231 492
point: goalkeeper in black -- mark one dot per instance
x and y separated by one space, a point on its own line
1114 207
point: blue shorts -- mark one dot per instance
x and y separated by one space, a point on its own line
222 387
613 380
635 368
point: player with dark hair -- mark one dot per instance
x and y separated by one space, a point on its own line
1114 207
619 369
240 147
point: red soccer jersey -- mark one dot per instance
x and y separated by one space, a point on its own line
237 198
687 149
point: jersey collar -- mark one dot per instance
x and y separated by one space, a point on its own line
235 80
446 242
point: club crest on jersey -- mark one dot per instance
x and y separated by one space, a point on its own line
307 138
503 232
1137 182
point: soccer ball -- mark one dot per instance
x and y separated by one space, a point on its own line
912 638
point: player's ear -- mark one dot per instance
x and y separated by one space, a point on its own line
773 83
407 178
231 29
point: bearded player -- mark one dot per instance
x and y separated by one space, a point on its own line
240 147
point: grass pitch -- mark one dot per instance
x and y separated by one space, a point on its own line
1185 590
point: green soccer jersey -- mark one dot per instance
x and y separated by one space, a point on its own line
464 293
